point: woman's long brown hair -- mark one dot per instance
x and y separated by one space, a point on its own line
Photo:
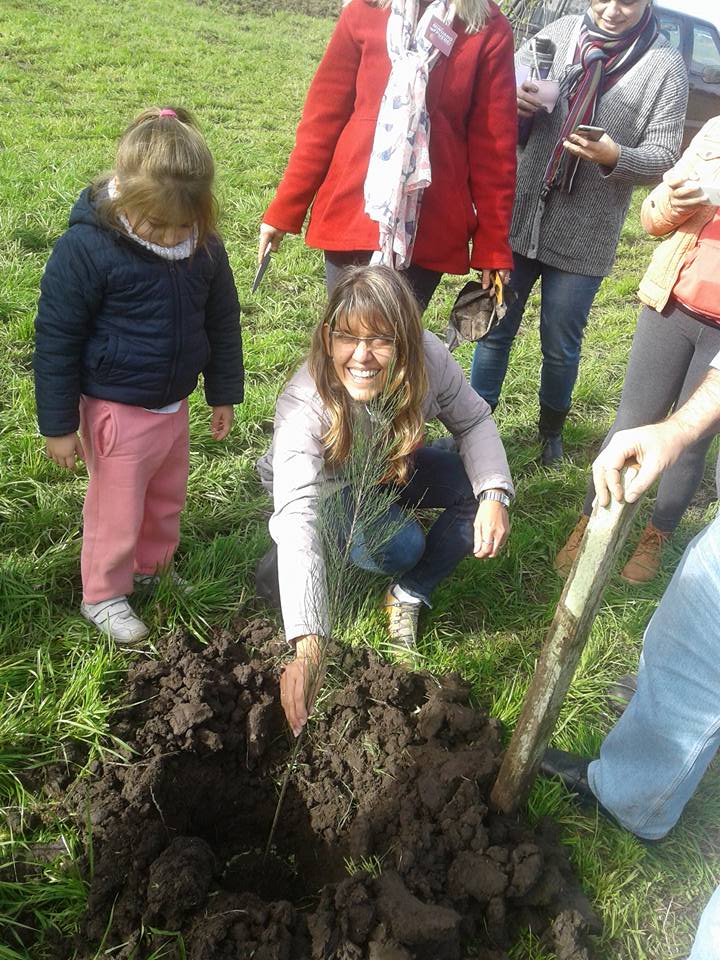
382 301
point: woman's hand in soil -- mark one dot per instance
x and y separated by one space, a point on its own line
222 421
604 151
65 450
269 235
300 682
492 526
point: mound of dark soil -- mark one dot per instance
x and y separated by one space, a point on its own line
385 847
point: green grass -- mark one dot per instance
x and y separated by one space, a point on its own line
71 75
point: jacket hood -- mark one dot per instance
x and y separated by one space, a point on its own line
84 211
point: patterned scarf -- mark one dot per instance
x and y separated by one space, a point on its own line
399 168
600 60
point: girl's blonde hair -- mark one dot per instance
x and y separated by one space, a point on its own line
164 170
473 13
382 301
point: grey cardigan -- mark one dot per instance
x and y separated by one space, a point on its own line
294 472
644 113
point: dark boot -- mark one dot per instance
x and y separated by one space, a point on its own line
267 585
550 431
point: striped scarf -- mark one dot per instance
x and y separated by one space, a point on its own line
600 60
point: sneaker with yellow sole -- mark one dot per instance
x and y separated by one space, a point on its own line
644 564
403 620
566 555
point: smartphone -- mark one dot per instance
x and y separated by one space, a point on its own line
711 191
590 133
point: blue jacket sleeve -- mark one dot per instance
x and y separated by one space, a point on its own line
71 292
224 375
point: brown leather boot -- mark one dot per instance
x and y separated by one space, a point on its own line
566 555
643 565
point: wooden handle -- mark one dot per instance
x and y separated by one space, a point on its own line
564 642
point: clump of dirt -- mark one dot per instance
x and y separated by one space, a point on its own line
385 848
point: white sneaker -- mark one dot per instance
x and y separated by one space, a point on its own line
117 619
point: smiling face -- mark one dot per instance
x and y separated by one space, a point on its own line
155 229
617 16
361 354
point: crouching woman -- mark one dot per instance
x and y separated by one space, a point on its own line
370 347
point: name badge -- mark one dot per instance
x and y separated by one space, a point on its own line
440 36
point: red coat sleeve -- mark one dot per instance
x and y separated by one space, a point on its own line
492 142
328 108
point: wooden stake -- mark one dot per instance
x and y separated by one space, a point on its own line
564 642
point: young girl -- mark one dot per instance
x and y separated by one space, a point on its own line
137 299
370 342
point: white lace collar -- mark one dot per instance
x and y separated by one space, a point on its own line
180 251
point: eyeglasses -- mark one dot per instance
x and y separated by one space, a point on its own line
347 343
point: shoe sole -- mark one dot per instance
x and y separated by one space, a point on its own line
638 583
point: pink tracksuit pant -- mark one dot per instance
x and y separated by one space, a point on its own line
138 463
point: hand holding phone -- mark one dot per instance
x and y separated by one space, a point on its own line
589 133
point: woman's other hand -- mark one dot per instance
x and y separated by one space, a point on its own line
485 275
65 450
492 526
269 235
685 191
528 103
604 151
222 421
300 682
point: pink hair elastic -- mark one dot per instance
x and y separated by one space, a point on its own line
167 112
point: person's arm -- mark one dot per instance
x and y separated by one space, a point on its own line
660 143
298 477
224 374
328 108
491 144
659 445
71 291
469 419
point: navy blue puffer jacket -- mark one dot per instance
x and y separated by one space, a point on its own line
117 322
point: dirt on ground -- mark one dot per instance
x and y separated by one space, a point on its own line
385 847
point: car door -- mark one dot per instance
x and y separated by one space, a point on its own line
704 72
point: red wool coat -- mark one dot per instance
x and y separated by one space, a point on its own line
473 112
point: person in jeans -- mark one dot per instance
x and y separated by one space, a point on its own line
618 74
369 354
653 759
406 149
677 335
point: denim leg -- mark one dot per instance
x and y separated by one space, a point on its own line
706 945
655 756
566 299
422 281
439 480
389 545
492 354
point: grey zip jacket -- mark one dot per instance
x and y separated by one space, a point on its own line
294 472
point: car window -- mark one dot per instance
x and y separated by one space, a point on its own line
670 28
705 52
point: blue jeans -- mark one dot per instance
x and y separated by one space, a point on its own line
707 938
420 561
421 280
566 299
656 754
